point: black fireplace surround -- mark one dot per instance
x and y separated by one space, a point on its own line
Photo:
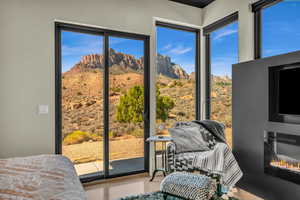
250 120
282 156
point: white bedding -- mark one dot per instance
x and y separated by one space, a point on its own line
44 177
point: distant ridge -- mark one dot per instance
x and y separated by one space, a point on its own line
126 62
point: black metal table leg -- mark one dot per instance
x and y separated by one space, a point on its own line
153 175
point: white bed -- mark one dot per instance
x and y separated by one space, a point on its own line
44 177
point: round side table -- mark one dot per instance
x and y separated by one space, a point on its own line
163 153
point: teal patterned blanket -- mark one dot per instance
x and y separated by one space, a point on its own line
162 196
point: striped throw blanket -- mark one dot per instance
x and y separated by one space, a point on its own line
220 161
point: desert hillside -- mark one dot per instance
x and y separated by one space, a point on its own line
82 94
221 99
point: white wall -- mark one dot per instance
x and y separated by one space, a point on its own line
27 76
220 9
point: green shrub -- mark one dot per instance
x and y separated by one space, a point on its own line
223 83
182 114
161 85
164 105
176 84
139 133
131 106
112 134
78 137
115 89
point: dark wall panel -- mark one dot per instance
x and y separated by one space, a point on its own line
250 121
195 3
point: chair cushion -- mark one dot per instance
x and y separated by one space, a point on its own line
189 186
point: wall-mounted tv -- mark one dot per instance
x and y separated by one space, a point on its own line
284 93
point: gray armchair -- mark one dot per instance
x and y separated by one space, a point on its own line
184 162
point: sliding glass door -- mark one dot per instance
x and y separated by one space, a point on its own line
126 105
82 100
102 100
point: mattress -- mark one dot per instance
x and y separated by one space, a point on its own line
44 177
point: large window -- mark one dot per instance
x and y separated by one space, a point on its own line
221 53
102 100
277 24
177 80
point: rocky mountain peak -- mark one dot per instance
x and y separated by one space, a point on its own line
170 69
125 62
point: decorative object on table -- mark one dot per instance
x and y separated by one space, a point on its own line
218 162
189 186
161 129
162 152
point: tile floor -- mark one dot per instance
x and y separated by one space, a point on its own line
120 187
115 166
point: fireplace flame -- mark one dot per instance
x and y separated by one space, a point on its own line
286 165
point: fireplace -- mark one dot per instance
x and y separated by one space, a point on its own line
282 156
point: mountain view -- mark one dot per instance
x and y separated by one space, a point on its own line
82 88
82 99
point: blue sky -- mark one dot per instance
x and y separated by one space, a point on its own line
127 46
224 49
281 28
281 34
179 45
75 45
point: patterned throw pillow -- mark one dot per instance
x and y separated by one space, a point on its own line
190 137
208 137
189 186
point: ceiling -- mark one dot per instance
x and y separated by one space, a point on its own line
196 3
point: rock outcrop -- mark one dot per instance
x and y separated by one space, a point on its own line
167 68
124 62
116 59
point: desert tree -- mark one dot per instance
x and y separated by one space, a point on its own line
131 106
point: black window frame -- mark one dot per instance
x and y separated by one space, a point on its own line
257 8
207 34
105 33
197 59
